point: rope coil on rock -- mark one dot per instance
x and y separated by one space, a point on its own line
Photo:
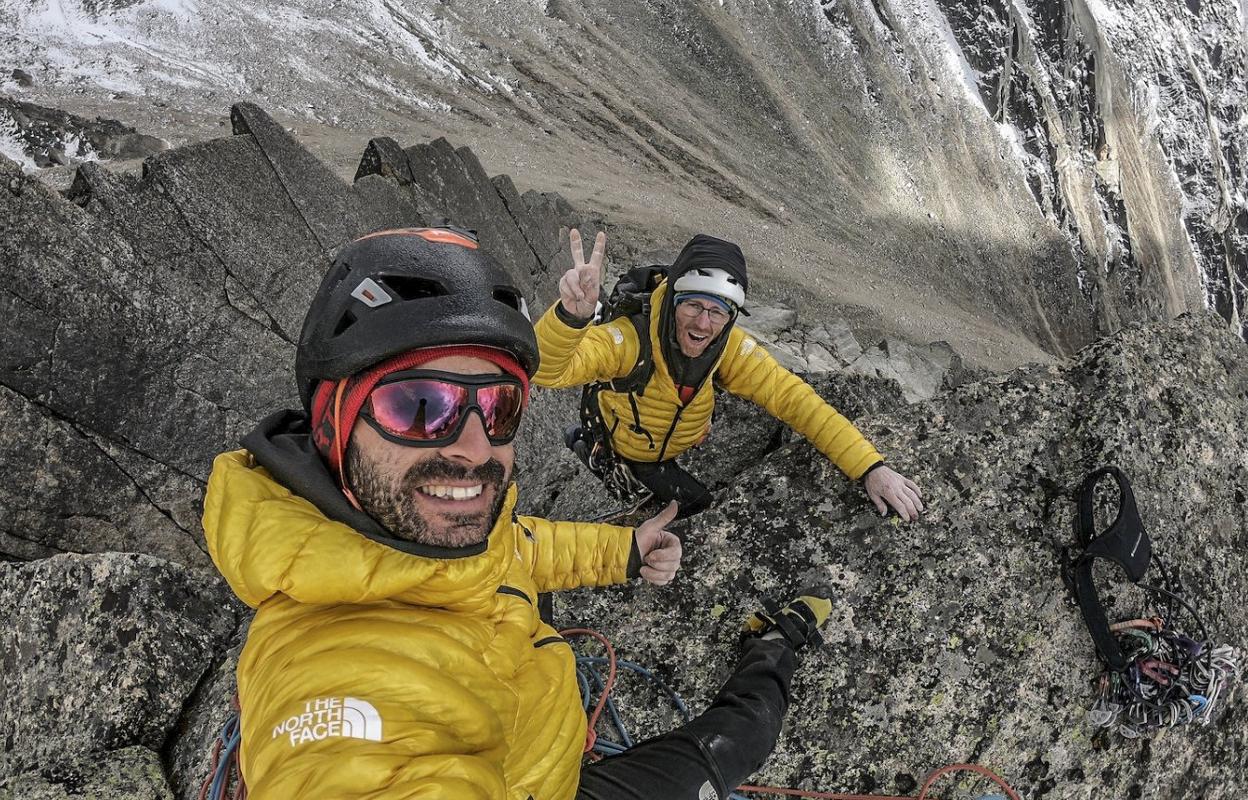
225 767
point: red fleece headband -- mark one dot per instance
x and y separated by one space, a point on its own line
336 404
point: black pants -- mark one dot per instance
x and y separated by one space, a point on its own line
717 750
668 481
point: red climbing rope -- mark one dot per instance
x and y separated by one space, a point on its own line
591 735
927 785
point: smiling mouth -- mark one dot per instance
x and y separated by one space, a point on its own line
443 492
698 340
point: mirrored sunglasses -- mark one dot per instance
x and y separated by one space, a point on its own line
427 408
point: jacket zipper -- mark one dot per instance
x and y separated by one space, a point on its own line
681 409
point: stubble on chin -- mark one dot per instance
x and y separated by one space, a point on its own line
392 502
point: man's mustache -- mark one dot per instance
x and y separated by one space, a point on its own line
439 468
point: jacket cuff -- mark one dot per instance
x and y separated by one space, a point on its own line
568 319
870 469
633 570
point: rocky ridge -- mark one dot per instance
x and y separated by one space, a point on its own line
1011 176
950 639
36 136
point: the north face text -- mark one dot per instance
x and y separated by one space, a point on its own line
326 717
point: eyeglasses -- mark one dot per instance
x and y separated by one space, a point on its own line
692 309
426 408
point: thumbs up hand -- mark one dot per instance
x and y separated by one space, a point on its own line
660 549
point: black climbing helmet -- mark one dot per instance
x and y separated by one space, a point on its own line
397 290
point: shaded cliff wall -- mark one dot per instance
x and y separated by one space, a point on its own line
1009 176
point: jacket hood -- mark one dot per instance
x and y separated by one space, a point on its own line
282 443
276 522
707 252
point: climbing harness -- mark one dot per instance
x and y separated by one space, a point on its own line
629 299
225 769
594 684
591 443
1155 677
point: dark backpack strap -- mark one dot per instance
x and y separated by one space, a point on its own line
637 378
1124 542
636 427
634 383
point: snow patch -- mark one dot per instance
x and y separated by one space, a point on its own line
79 148
391 89
12 144
113 50
420 38
1014 137
954 58
1102 13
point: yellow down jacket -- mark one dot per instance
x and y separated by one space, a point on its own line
576 356
372 673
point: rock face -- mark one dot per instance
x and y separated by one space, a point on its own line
831 346
43 137
149 322
1120 123
951 639
133 773
100 655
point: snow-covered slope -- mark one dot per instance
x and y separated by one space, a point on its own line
1010 175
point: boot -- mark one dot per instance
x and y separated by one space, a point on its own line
798 622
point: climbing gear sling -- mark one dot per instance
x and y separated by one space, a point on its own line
1154 677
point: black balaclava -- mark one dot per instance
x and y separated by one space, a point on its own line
702 251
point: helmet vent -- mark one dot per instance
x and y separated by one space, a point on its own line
507 297
412 288
345 321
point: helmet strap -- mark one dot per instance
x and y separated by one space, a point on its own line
340 444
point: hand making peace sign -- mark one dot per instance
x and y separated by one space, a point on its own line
579 287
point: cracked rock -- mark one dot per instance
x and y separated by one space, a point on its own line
132 773
767 321
101 652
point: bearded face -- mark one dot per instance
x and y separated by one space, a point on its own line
448 495
434 501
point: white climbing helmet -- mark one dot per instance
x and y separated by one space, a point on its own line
712 280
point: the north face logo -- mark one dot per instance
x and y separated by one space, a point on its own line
324 717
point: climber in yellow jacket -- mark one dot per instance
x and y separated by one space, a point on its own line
396 650
652 403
